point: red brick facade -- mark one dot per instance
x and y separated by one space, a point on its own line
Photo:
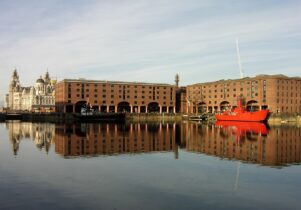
278 93
110 96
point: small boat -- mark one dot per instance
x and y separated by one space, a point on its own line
99 117
89 115
202 117
239 113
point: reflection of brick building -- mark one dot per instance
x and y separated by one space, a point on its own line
107 139
109 96
278 93
280 147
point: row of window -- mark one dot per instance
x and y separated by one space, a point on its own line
112 91
228 90
224 96
135 102
287 101
112 86
120 97
227 84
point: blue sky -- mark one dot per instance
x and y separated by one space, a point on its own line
149 41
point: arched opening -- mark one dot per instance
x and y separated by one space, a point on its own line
69 108
153 107
264 107
103 108
95 108
123 107
142 109
210 109
215 109
225 105
252 106
135 109
202 107
112 109
80 105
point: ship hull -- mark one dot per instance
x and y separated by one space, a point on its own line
257 116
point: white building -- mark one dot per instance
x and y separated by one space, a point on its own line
37 98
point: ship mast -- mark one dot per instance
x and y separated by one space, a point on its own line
238 58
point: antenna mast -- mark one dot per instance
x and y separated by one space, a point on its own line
238 57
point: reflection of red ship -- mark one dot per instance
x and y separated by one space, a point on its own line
241 114
244 127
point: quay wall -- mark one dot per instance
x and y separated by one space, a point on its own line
38 117
284 118
145 117
154 117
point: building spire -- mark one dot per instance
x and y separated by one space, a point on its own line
177 79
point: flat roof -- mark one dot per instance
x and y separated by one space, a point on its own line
260 76
112 82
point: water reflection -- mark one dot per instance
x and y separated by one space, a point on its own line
42 135
245 141
109 139
249 142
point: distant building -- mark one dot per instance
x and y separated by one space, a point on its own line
112 96
278 93
40 97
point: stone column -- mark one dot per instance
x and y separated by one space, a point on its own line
108 108
160 109
116 109
167 109
131 109
174 109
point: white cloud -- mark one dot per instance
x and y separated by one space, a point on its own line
153 40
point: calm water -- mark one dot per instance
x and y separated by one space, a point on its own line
149 166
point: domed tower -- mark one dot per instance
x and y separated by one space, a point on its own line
40 86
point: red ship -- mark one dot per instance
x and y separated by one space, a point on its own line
239 113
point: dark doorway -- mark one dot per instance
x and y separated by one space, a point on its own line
123 107
79 105
69 108
153 107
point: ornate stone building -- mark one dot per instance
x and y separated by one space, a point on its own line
38 98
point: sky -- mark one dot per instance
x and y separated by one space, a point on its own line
148 40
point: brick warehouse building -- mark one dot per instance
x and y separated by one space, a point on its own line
113 96
278 93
